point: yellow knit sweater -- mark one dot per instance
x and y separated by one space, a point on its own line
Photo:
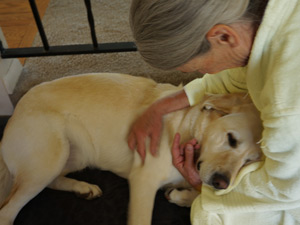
271 193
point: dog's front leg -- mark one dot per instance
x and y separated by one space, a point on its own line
142 195
144 181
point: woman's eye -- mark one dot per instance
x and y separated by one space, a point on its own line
231 140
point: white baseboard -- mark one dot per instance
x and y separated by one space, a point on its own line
6 107
10 71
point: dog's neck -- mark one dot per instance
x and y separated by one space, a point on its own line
183 122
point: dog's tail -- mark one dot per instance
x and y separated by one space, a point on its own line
5 180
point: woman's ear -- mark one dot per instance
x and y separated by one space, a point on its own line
222 34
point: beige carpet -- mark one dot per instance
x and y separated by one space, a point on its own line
65 22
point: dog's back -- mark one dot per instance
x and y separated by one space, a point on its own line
79 121
94 112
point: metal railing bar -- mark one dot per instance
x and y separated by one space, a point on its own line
91 22
47 50
39 24
67 50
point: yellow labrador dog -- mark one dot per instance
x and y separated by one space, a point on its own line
71 123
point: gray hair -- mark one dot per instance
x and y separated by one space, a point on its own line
168 33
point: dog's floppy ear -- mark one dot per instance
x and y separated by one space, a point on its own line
225 103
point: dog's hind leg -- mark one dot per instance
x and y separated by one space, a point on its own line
80 188
41 162
22 193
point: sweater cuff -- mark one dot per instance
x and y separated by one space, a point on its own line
194 92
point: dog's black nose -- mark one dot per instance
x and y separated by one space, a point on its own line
220 181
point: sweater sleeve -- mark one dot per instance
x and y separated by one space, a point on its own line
228 81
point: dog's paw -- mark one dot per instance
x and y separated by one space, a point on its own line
87 191
181 197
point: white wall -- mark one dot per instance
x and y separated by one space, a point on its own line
10 70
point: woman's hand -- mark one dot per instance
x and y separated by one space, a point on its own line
151 122
183 160
148 125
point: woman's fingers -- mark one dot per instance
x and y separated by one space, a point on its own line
155 138
176 151
131 141
137 143
189 157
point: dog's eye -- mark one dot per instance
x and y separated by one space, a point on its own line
248 161
199 165
231 140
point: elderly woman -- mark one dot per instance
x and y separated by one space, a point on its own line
250 46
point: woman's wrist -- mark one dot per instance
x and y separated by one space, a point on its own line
171 103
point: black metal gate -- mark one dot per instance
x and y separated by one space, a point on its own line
47 50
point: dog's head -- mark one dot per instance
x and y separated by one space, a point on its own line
229 140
